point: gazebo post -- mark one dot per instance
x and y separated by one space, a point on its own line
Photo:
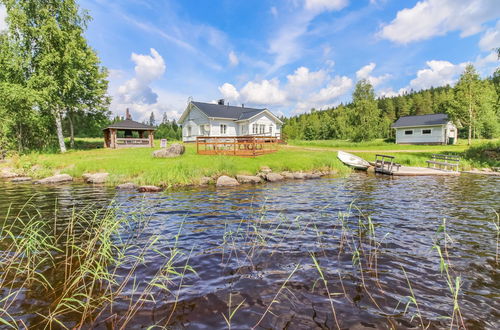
151 138
113 138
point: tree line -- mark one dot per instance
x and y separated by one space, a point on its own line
473 104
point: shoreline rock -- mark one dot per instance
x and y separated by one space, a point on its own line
248 179
274 177
59 178
7 173
149 189
226 181
127 186
95 178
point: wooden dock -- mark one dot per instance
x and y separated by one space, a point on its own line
416 171
385 164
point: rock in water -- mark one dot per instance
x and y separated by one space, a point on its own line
226 181
127 186
248 179
7 173
95 178
149 189
59 178
174 150
274 177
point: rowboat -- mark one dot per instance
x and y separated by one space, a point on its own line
352 160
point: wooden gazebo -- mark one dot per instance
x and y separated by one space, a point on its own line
128 134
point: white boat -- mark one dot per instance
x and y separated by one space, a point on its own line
352 160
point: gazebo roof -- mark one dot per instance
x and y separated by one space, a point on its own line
130 124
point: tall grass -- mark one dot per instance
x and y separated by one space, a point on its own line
87 268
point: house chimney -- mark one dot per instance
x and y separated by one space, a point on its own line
127 115
242 105
221 102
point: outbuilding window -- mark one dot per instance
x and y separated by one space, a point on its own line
409 132
255 128
262 129
427 131
223 128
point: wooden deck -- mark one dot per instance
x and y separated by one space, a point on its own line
244 146
416 171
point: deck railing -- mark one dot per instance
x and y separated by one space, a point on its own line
245 146
131 142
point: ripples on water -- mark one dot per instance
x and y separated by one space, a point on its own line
296 219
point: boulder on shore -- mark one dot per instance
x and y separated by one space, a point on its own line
248 179
8 173
274 177
288 175
174 150
226 181
95 178
127 186
149 189
59 178
205 181
265 169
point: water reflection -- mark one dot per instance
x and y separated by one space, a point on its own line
300 218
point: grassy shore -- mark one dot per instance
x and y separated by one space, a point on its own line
138 166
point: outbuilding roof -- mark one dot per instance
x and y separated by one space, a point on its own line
422 120
227 111
131 124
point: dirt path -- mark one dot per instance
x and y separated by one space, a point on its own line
351 150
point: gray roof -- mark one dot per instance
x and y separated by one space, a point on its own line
130 124
227 111
423 120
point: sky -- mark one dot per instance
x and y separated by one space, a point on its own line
285 55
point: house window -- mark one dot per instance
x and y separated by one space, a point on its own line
409 132
427 131
189 130
262 129
223 128
255 128
270 129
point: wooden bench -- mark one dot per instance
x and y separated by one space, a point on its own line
385 164
444 162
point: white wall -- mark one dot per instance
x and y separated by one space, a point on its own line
267 120
231 128
436 136
195 119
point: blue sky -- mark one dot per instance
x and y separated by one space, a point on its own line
287 55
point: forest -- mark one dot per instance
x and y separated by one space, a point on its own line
472 104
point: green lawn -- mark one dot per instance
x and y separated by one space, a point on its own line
137 164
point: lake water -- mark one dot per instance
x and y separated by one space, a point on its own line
256 244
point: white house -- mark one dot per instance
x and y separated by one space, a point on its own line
425 129
209 119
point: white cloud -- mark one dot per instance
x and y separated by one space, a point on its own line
3 17
438 73
233 59
264 92
429 18
148 68
324 5
491 38
365 73
303 80
229 92
336 87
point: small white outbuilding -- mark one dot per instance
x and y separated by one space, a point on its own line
425 129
